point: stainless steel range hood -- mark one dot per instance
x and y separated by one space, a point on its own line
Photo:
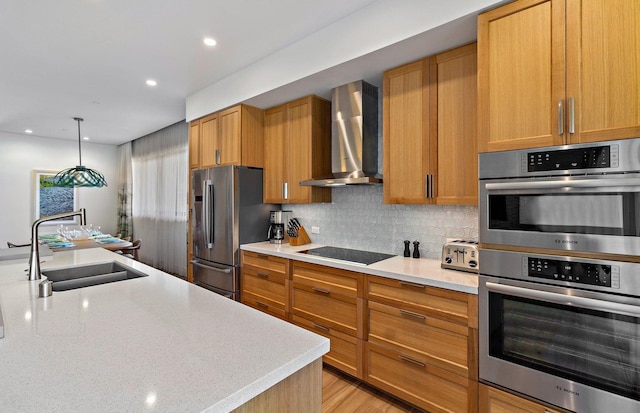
354 137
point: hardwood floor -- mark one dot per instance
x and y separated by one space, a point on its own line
344 394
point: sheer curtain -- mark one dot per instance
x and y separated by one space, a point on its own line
125 182
160 190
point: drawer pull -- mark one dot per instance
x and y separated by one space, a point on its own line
263 256
320 290
412 361
412 314
261 304
407 284
263 275
321 327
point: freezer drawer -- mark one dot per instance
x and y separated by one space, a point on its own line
222 279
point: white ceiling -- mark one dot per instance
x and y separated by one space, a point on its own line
91 58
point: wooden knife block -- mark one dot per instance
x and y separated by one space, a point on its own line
301 239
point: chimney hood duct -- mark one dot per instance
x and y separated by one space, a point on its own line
354 137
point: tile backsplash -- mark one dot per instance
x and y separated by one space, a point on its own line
357 218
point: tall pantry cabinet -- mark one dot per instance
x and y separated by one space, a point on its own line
555 72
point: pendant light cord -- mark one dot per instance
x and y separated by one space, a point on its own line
79 140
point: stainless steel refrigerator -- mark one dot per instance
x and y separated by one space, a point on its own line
227 212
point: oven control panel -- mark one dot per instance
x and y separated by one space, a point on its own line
567 159
572 271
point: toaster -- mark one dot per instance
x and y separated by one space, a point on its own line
460 255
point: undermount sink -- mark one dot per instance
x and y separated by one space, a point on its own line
87 275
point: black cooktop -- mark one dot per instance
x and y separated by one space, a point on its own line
345 254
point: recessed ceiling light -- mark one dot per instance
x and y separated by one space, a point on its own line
210 41
151 82
28 131
85 138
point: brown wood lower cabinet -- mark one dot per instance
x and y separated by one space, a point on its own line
264 284
493 400
422 344
416 342
346 350
329 302
414 380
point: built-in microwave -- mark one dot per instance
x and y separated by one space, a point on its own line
583 197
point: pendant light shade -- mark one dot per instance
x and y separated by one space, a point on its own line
80 175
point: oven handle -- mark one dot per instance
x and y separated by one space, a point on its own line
584 183
582 302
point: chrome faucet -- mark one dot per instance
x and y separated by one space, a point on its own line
34 260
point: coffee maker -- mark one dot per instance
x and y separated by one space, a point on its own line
277 223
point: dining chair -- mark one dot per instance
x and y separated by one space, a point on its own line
132 251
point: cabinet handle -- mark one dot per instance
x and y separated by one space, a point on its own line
217 156
411 360
572 119
261 304
285 190
408 284
321 327
412 314
263 275
263 256
428 186
320 290
560 117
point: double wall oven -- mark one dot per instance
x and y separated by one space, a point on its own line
559 289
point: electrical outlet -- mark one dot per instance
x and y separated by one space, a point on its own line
315 230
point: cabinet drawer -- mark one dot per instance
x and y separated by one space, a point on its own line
454 306
346 351
263 304
428 387
265 264
440 343
270 287
493 400
333 280
336 311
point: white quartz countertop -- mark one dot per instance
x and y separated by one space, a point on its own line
424 271
156 343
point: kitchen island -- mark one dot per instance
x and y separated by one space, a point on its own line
155 343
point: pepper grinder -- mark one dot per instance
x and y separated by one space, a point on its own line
416 249
407 253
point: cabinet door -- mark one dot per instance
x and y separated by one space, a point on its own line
457 85
275 154
603 68
229 139
521 75
406 134
208 141
194 144
299 150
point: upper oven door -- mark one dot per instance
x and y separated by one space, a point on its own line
591 213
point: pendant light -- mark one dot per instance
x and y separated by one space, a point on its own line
80 175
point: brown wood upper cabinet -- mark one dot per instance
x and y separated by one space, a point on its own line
429 130
231 137
554 72
297 147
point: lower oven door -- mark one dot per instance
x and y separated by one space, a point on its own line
571 348
221 279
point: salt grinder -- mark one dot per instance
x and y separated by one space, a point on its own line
416 249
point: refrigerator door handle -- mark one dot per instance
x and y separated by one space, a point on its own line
224 270
207 213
